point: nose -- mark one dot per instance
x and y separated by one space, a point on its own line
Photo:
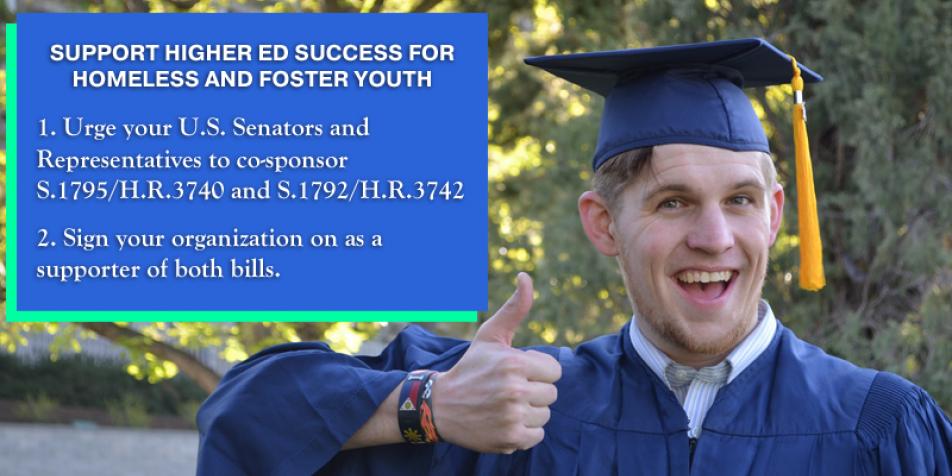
711 233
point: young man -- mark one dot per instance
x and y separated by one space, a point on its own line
704 380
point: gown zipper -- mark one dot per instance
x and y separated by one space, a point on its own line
693 444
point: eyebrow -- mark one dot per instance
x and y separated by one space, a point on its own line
682 188
669 187
749 183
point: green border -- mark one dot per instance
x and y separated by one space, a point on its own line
13 315
12 173
241 316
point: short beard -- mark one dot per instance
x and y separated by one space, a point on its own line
676 334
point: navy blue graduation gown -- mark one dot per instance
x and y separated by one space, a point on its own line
795 411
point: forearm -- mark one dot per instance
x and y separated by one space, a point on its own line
267 413
382 428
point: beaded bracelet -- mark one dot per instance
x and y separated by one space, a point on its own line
415 414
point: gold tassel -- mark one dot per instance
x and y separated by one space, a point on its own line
811 250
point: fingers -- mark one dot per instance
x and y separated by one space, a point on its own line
542 367
542 394
528 437
528 433
537 417
502 326
533 437
495 399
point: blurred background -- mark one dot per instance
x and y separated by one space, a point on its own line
881 145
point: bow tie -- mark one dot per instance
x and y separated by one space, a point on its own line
681 375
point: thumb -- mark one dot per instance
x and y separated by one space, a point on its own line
502 326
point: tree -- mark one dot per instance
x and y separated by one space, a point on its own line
158 349
882 164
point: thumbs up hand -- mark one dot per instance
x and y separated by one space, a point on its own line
496 399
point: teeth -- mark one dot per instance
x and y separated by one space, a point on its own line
704 276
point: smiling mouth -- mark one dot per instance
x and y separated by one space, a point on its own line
704 285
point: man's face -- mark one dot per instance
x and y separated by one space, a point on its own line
692 237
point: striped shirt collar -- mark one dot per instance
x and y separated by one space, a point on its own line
740 358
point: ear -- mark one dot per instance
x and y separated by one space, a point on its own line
776 211
597 222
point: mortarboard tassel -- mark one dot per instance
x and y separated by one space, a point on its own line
811 250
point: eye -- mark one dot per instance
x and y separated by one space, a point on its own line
740 200
670 204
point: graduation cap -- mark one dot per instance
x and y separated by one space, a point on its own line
693 94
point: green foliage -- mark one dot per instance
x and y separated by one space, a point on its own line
77 381
40 408
879 129
130 411
188 411
237 340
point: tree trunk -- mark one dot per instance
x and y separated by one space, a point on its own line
197 371
424 6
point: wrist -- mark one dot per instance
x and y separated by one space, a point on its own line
415 411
